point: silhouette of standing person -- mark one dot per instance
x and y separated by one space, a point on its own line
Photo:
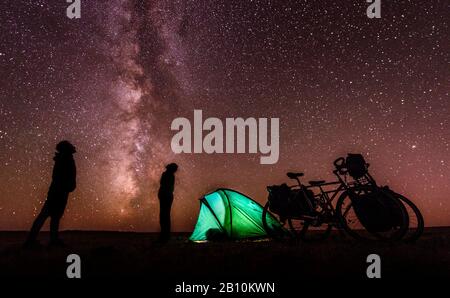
63 183
165 195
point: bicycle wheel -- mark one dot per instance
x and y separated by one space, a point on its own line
351 223
416 221
310 230
273 224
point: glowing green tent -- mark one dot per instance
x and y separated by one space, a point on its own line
226 213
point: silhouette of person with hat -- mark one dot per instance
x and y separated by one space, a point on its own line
165 195
63 183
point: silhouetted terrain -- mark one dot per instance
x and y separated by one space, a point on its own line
137 255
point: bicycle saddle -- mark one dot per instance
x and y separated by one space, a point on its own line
316 182
294 175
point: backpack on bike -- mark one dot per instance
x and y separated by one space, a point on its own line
356 165
288 203
279 198
377 211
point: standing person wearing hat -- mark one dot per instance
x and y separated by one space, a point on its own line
165 195
63 183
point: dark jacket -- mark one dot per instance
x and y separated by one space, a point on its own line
64 177
167 184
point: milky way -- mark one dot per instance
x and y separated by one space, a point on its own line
113 81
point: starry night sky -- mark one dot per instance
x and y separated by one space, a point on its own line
113 81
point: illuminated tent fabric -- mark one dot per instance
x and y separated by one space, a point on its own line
226 213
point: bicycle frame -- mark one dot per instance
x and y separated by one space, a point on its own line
324 194
328 209
329 196
325 198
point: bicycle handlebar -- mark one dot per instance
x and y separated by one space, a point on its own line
340 165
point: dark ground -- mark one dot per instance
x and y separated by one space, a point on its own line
137 256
